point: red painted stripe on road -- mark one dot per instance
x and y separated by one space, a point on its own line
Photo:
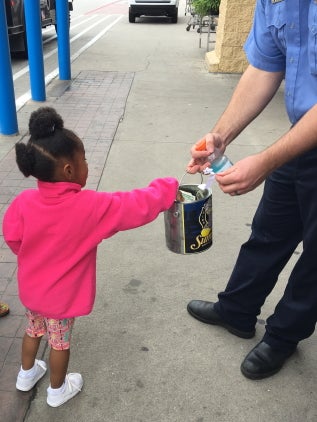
101 9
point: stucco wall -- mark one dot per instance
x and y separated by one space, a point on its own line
235 20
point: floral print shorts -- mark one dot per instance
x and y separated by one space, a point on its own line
58 330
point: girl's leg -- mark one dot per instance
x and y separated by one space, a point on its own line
32 338
59 332
58 366
63 386
32 369
30 347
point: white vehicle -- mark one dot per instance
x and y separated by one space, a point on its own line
167 8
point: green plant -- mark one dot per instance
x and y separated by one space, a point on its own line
204 7
215 5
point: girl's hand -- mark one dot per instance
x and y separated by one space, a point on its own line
202 150
244 176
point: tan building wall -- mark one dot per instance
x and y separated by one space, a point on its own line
235 20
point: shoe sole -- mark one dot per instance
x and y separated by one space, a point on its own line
4 313
65 399
259 376
4 310
234 331
30 388
62 402
253 376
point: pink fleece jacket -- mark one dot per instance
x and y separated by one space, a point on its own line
54 231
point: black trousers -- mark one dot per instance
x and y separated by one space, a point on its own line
286 215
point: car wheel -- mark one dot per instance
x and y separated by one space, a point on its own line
25 42
19 45
174 16
131 16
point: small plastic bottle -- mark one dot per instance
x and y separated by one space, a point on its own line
218 161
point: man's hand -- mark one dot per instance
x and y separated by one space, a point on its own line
244 176
202 150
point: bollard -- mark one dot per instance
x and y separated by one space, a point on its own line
62 20
8 115
35 49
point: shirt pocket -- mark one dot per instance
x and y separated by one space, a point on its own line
312 38
275 14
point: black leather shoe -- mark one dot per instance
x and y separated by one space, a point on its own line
263 361
204 312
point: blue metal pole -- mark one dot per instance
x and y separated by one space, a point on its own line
32 13
8 114
62 20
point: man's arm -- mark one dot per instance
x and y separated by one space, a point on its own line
250 172
254 91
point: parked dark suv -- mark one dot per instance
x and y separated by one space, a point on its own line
16 21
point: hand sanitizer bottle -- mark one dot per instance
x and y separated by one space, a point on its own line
218 162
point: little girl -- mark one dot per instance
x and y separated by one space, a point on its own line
54 230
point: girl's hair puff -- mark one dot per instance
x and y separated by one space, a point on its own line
49 142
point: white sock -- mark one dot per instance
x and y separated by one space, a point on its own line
27 373
58 390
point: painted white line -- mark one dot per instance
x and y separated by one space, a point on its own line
25 69
19 103
75 18
96 38
82 22
71 27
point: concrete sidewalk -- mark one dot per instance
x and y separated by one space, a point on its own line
139 101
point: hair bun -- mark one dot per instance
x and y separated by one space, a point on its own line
44 121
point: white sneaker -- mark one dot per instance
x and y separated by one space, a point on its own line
27 383
73 385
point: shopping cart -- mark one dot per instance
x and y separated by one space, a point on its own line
188 7
209 22
194 20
